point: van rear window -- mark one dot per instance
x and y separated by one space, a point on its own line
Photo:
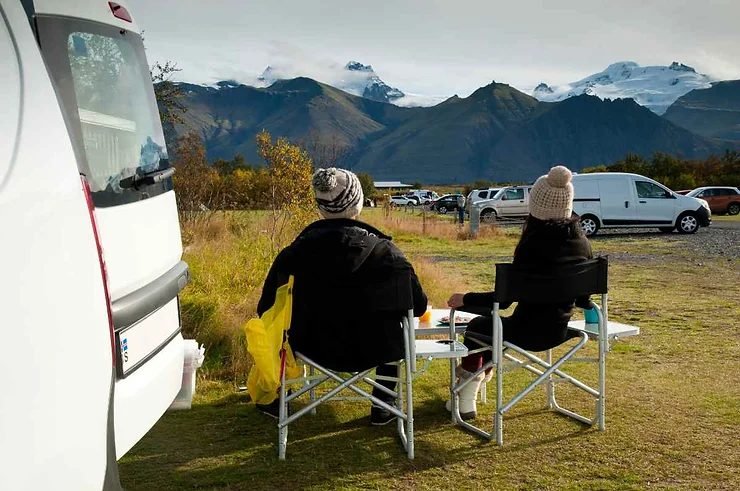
103 80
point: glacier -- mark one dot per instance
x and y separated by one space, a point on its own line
655 87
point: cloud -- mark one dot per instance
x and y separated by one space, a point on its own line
716 66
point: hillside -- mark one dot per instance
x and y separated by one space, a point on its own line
713 112
496 133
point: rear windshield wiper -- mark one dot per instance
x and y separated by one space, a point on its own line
138 180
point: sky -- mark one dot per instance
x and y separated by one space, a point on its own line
435 47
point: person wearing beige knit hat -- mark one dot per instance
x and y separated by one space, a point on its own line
552 236
551 197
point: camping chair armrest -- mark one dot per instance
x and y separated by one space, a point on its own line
410 331
496 334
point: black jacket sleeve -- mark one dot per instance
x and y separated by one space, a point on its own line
473 299
585 246
401 264
481 303
278 276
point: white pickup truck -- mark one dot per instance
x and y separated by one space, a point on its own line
508 202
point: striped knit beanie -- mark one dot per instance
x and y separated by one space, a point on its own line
551 197
338 193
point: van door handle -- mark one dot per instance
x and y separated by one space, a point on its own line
643 201
626 204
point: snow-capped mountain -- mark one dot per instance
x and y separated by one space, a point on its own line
655 87
368 84
354 77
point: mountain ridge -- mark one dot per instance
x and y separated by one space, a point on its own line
712 112
497 133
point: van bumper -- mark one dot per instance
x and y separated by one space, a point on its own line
705 216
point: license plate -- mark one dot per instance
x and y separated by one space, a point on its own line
139 342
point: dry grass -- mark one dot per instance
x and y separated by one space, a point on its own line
230 254
417 223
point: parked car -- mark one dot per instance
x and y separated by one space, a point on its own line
399 200
445 204
422 196
91 251
721 199
508 202
609 200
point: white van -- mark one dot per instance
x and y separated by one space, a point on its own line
508 202
90 260
617 200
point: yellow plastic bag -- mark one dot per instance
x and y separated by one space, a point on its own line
265 344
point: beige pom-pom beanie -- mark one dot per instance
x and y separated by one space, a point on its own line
551 197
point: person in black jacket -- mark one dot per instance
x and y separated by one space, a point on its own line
552 235
352 287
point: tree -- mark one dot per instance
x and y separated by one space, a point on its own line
169 95
289 194
197 184
225 167
325 153
367 183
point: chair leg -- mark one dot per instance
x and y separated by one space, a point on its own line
550 388
498 419
282 415
409 412
600 405
454 400
312 391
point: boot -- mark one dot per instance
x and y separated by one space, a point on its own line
468 396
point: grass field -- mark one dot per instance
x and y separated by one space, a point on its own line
673 395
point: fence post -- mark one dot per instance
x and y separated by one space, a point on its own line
474 220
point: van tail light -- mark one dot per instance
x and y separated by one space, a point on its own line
120 12
103 270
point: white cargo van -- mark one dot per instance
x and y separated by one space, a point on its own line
90 256
508 202
611 200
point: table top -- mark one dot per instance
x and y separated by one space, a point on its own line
432 327
615 330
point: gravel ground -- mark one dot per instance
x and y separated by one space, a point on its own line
711 241
721 239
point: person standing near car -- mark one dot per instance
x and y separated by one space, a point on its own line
461 207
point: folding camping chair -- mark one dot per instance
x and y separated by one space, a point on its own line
315 374
564 283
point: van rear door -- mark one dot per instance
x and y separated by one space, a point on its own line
103 81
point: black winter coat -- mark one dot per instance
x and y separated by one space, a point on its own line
538 327
352 286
